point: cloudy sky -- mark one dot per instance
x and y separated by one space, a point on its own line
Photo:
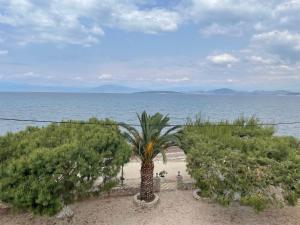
241 44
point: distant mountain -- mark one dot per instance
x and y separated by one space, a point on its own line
158 92
224 91
6 86
114 89
278 92
227 91
220 91
21 87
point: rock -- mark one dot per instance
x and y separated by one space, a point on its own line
4 207
66 212
156 184
236 196
144 204
277 192
179 180
196 194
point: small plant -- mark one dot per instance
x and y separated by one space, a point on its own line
162 173
291 198
257 201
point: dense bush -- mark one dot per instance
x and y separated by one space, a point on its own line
44 168
243 161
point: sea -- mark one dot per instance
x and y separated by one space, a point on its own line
124 107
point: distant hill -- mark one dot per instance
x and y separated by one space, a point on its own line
158 92
114 89
228 91
224 91
22 87
278 92
220 91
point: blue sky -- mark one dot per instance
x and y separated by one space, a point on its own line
204 44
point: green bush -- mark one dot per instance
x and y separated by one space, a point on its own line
44 168
242 161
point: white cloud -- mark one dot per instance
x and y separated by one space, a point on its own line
259 59
236 17
285 67
279 38
97 30
174 80
149 21
230 10
78 78
225 58
258 26
81 22
280 78
285 44
42 22
30 74
3 52
105 76
229 80
217 29
287 6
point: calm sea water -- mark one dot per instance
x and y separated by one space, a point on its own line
123 108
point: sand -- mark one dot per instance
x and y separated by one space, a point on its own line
176 207
176 163
132 171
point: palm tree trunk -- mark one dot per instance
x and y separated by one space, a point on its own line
147 181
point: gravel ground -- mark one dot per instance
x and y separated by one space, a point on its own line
176 207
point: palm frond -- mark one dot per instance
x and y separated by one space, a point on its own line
151 140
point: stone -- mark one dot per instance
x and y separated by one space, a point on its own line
156 184
179 180
198 197
277 192
4 207
66 212
144 204
236 196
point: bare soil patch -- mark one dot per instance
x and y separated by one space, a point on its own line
176 207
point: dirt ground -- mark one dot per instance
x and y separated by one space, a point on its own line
175 207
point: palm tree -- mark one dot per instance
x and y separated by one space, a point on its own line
155 137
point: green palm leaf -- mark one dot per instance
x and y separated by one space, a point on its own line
151 133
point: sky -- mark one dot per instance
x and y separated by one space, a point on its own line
154 44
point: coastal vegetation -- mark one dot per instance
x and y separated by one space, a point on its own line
154 138
242 161
44 168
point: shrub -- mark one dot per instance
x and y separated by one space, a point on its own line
44 168
243 161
